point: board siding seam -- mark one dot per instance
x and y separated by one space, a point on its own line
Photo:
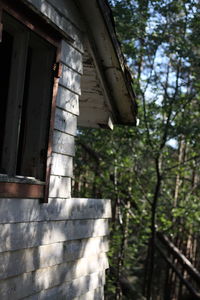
86 235
68 111
102 262
100 284
57 220
64 16
101 256
61 28
100 293
69 174
64 133
70 154
46 244
86 254
92 291
90 209
74 46
64 154
58 108
68 88
70 79
65 282
70 67
80 297
72 135
63 176
71 105
62 220
57 197
64 123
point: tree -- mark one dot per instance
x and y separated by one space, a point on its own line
151 171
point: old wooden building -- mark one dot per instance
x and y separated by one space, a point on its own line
61 66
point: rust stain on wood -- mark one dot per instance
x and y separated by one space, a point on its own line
21 190
32 20
52 121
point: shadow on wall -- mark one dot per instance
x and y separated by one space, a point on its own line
59 246
55 250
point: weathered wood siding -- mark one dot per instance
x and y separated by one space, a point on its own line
56 250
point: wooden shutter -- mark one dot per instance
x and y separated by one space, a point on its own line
1 25
16 187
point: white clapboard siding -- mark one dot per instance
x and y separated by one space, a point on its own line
31 210
92 99
17 262
27 235
68 9
57 250
62 165
65 122
90 82
50 277
59 187
71 57
94 115
63 143
97 294
67 100
69 291
60 21
77 208
70 79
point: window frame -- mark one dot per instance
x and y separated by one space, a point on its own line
21 186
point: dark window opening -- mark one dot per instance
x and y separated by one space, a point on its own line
26 77
5 63
22 135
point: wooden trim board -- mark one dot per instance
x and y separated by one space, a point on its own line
21 190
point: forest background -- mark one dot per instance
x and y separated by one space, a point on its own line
152 171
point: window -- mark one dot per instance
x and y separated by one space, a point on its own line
26 85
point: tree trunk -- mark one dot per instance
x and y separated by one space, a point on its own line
153 229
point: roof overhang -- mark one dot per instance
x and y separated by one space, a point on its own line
105 61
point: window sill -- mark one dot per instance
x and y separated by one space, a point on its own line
21 187
20 179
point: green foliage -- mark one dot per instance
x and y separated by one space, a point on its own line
161 42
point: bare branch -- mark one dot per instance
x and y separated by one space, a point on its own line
183 163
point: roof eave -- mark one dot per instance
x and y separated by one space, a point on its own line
99 21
